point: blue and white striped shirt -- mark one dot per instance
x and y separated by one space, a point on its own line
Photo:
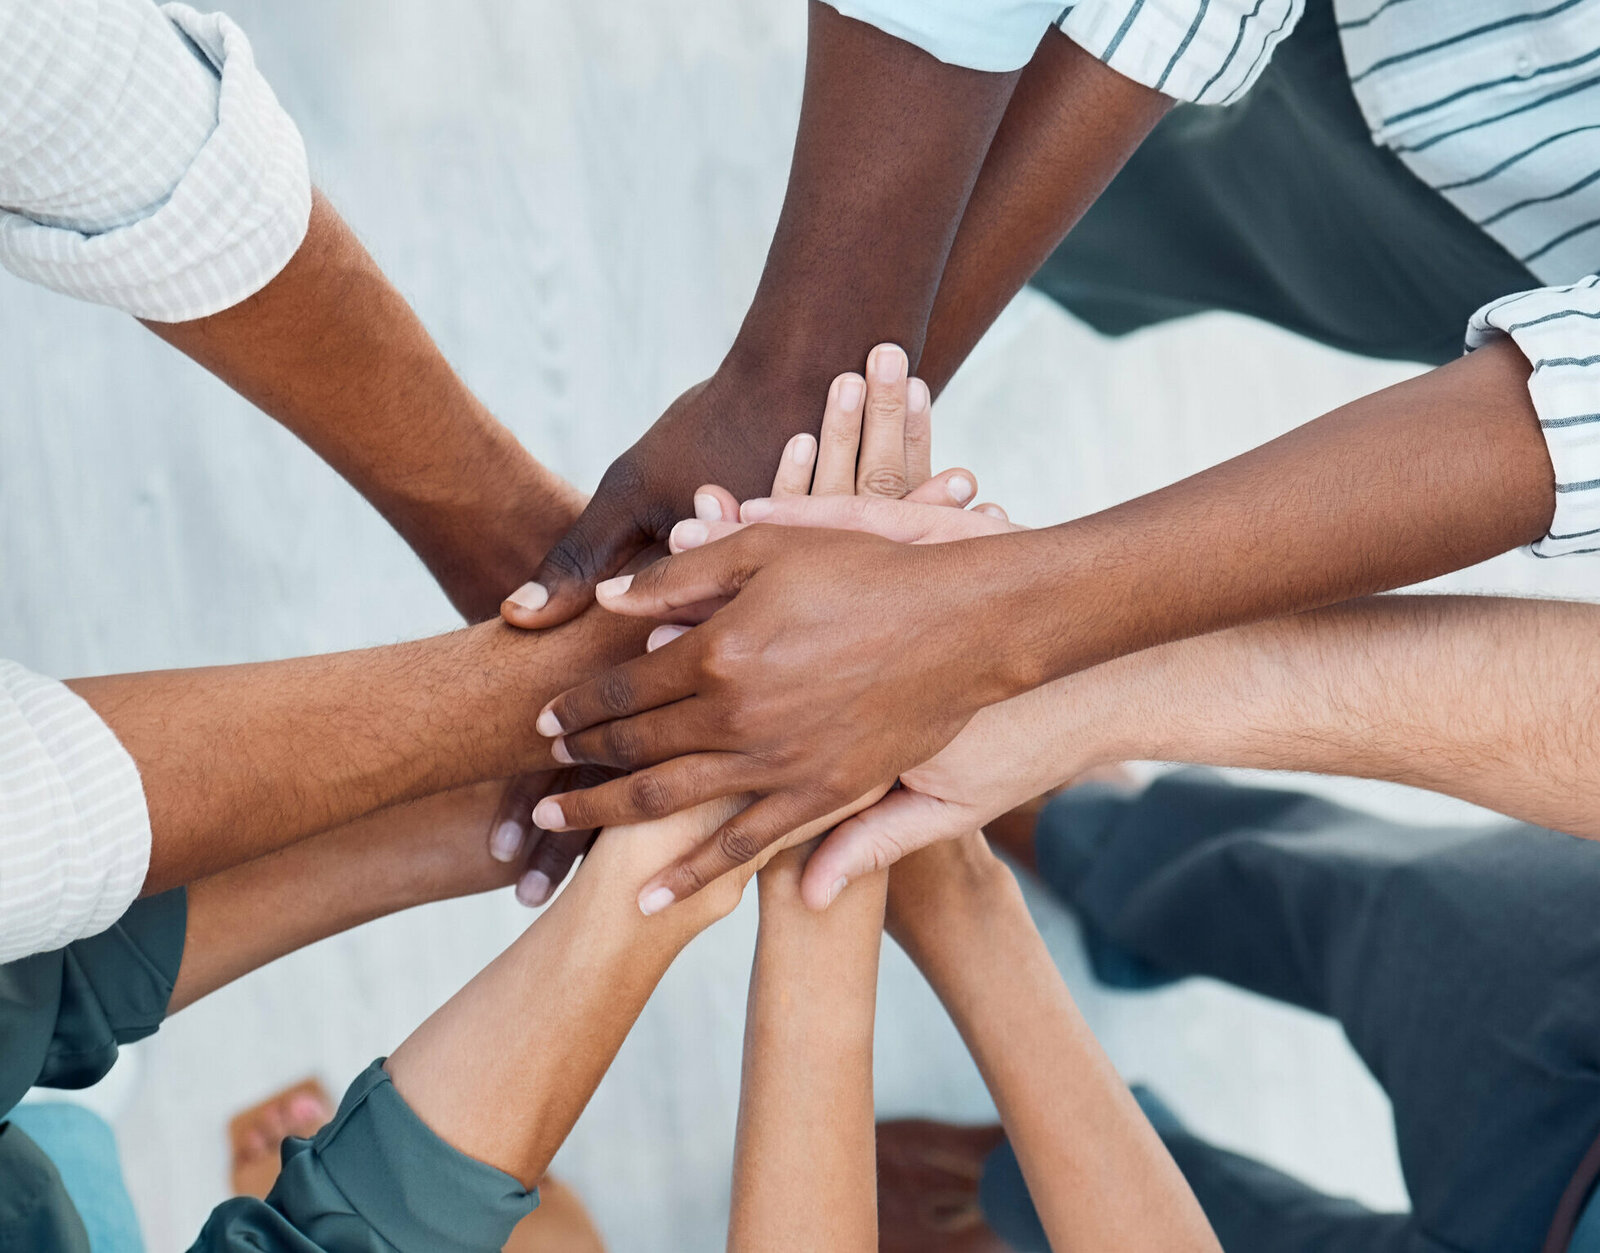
1493 103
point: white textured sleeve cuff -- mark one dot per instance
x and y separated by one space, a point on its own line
235 216
1558 330
1203 51
993 35
74 831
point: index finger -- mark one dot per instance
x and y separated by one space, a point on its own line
645 683
881 466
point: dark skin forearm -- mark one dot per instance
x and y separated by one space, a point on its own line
1070 126
889 146
331 350
239 760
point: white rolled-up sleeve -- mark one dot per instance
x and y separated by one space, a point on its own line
145 163
1202 51
74 830
1558 330
994 35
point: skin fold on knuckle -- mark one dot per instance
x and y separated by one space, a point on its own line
650 796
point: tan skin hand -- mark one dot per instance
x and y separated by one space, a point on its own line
877 447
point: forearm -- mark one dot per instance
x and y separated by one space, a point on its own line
1419 479
889 145
805 1108
239 760
1069 128
1099 1176
244 918
1488 699
332 351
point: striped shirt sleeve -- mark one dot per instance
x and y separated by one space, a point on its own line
1202 51
994 35
1558 330
74 832
145 163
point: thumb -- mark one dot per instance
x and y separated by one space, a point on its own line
603 539
876 838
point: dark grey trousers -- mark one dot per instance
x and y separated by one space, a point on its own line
1463 965
1282 207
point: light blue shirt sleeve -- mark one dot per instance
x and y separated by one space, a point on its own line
994 35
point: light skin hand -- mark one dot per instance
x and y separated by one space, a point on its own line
889 146
835 664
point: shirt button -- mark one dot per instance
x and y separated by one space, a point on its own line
1525 66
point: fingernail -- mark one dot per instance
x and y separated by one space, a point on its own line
662 636
888 363
533 888
530 596
560 751
918 397
801 449
548 816
706 508
612 588
548 725
755 510
655 900
839 885
851 392
690 533
506 842
961 489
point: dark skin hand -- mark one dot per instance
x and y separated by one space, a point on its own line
889 146
845 659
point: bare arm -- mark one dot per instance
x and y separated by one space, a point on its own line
805 1108
239 760
429 850
1099 1175
332 351
889 145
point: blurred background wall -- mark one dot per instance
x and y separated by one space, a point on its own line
577 198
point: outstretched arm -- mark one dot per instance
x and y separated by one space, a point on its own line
332 351
805 1108
1099 1175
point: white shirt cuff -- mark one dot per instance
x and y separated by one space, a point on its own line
74 830
1558 330
229 225
997 36
1206 53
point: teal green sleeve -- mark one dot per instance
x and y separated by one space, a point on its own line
36 1214
64 1014
375 1180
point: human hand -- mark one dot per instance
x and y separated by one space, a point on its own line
751 758
541 860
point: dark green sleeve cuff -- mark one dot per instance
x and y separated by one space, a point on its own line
376 1180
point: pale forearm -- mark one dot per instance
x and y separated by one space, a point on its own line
241 919
805 1108
1099 1175
239 760
1484 698
332 351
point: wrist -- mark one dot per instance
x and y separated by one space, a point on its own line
948 896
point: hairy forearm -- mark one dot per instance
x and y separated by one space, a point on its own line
332 351
243 918
1099 1176
1484 698
1069 128
805 1109
239 760
1429 476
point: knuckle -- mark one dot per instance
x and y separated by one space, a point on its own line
619 744
737 845
883 481
573 557
650 795
614 692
